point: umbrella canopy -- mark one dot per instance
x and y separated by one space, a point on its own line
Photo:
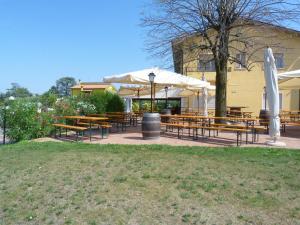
272 93
163 77
290 74
190 91
289 80
161 94
137 90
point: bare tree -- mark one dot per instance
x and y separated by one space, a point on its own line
224 28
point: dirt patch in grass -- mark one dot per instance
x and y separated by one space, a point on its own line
65 183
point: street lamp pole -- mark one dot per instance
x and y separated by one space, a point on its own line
11 98
151 79
166 90
4 123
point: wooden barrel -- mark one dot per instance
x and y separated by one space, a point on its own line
151 126
263 116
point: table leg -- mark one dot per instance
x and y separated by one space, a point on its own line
90 131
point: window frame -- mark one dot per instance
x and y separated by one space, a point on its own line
239 66
210 61
276 56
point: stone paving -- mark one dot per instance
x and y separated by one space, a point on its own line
133 136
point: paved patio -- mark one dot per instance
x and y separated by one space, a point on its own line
133 136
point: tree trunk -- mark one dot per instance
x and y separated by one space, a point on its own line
221 88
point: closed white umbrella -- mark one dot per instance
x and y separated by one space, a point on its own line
128 104
205 96
191 91
272 97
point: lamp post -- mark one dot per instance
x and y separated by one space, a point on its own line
11 98
166 90
151 79
4 122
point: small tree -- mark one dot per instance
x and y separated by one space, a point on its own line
17 91
225 28
63 86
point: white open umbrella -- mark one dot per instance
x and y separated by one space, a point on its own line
272 97
289 80
290 74
163 77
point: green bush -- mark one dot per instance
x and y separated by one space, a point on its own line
65 107
105 102
135 106
25 121
85 108
114 103
98 100
48 100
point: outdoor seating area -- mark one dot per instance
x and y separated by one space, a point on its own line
187 128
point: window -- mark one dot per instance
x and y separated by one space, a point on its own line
206 63
241 58
266 105
279 61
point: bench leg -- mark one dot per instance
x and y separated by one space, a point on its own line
77 134
60 132
66 132
237 138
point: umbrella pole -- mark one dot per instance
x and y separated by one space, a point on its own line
198 102
154 95
138 95
151 97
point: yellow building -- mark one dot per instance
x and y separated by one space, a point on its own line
244 87
91 87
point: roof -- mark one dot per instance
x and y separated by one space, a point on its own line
254 23
91 85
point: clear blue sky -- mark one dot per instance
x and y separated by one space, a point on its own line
43 40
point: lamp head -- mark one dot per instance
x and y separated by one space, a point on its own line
151 77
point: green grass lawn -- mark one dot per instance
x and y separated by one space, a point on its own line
70 183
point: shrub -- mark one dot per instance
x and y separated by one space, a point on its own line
48 99
115 103
135 106
25 121
85 108
98 100
105 102
65 107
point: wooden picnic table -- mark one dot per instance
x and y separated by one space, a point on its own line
90 119
249 122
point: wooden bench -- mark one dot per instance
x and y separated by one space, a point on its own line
105 126
78 129
180 127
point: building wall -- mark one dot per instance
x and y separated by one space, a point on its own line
76 92
246 88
